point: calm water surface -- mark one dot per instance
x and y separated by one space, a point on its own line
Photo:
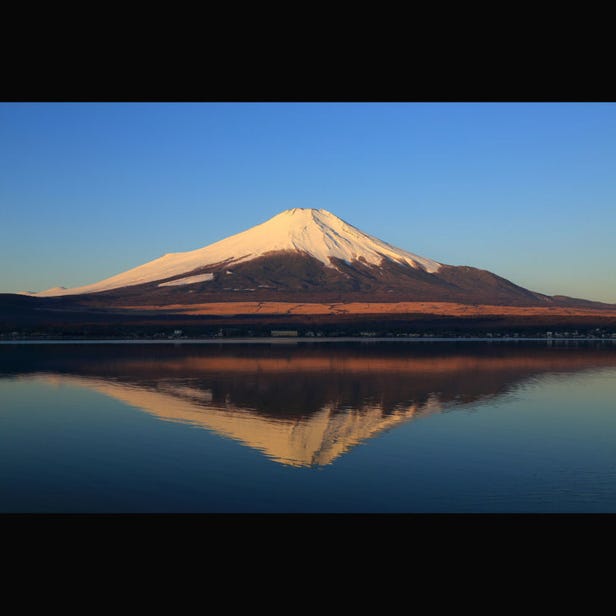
308 427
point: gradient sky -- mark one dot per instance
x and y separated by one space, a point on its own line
527 191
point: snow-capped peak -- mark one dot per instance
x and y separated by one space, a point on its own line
323 235
315 232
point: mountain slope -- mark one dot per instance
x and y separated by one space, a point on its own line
303 255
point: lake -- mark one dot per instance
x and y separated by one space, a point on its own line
364 426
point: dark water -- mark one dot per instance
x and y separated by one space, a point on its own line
332 427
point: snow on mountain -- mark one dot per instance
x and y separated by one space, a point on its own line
189 280
317 233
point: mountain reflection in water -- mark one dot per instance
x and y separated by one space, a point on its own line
301 405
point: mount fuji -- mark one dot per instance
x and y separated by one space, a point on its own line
304 270
306 255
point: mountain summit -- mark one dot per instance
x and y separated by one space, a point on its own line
315 233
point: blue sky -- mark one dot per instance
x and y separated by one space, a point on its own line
527 191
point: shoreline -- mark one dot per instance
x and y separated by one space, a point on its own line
298 340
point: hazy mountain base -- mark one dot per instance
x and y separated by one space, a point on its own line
26 316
